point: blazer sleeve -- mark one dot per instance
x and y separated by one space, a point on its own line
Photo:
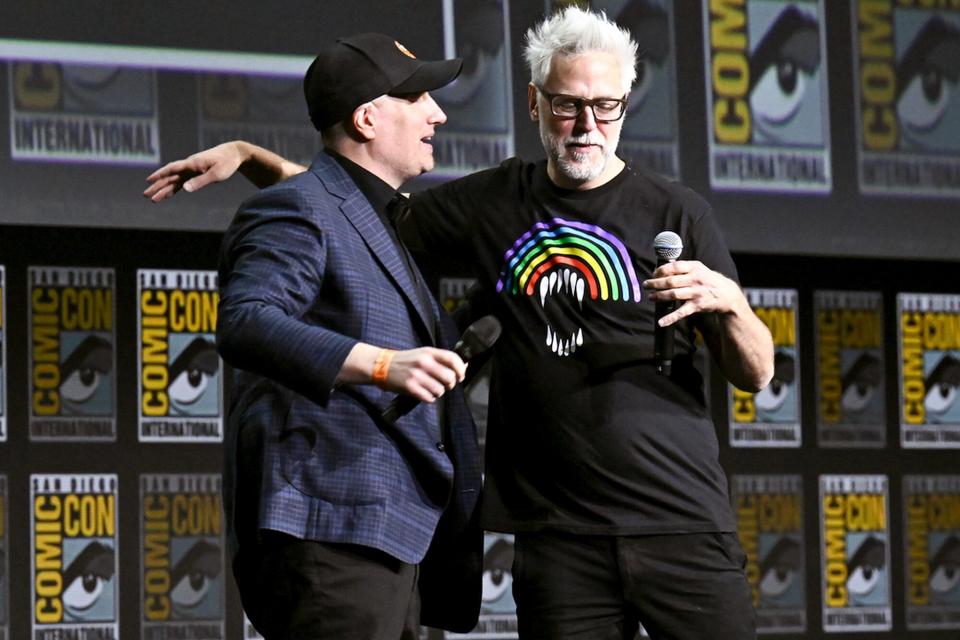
271 271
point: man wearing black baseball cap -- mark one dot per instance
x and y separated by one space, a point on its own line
338 516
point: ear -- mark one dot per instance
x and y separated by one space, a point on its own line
364 121
532 102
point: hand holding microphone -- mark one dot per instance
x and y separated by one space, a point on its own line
668 247
479 336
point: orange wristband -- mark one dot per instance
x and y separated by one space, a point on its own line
381 367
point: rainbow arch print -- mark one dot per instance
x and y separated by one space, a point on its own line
597 255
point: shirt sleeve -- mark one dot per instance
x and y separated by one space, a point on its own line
709 246
442 219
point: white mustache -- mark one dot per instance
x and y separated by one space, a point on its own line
585 139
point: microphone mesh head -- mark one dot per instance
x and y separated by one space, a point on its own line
478 337
668 245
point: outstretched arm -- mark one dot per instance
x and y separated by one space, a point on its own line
216 164
737 338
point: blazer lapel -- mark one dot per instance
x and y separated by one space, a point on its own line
365 220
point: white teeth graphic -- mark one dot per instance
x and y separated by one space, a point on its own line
573 284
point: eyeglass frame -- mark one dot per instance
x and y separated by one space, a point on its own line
583 104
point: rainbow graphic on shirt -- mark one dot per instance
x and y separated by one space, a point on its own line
599 258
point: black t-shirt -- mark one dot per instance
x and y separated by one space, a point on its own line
583 435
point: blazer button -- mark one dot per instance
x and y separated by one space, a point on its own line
441 447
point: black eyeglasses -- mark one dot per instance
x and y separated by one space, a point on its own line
604 109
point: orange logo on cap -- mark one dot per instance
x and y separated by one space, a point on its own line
404 50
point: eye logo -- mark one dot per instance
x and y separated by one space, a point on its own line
927 77
941 385
563 264
180 380
182 555
909 103
855 553
190 375
769 511
782 69
193 576
771 416
72 358
73 555
649 138
87 579
779 569
771 399
767 93
497 578
84 373
865 568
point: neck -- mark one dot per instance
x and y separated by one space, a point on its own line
362 154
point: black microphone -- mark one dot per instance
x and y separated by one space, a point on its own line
479 336
668 247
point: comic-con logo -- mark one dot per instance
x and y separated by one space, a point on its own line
909 107
72 356
649 136
855 550
497 594
83 112
933 549
769 526
930 352
767 89
182 555
180 381
850 372
74 557
564 265
777 402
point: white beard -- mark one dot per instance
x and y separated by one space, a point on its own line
578 172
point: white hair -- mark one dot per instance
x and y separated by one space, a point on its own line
573 31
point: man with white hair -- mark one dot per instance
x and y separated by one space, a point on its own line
604 470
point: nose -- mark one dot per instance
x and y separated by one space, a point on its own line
586 119
437 116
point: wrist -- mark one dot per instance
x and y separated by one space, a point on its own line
381 367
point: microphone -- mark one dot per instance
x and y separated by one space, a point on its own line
479 336
668 247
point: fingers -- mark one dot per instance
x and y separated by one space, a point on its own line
678 314
426 373
171 169
162 188
199 182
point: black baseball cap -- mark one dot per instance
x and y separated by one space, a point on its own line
359 68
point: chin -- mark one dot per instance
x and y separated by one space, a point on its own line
580 172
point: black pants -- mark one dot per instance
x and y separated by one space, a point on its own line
680 587
295 589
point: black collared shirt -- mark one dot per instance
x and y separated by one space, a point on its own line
380 195
377 192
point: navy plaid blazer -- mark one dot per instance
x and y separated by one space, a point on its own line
306 271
